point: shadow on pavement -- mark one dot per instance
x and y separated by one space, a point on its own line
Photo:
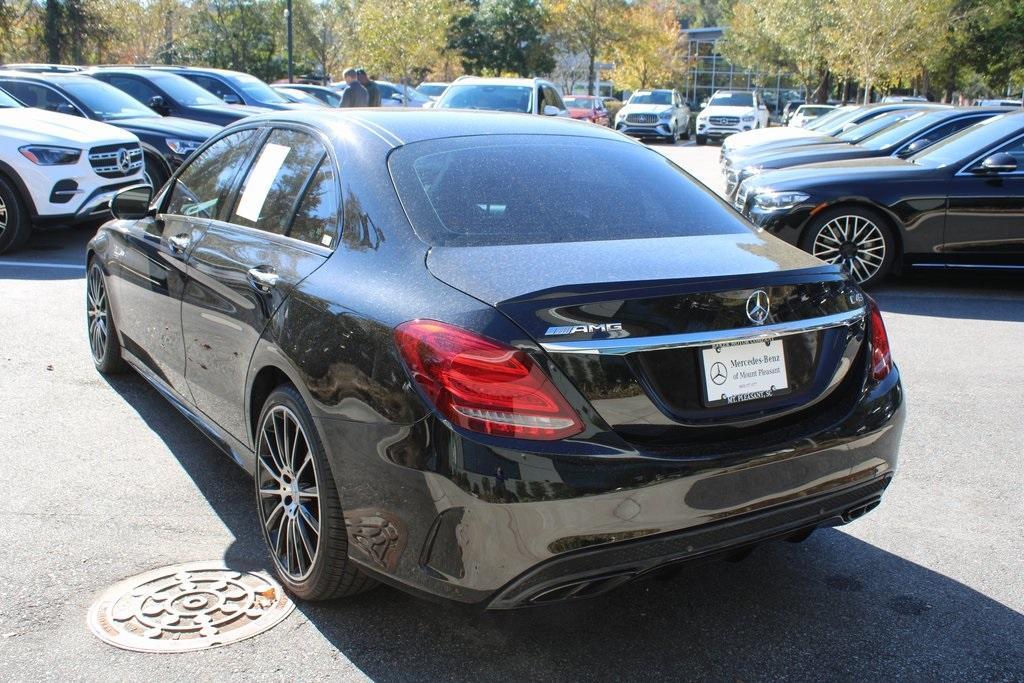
49 253
955 293
832 607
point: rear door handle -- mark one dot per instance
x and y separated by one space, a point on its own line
179 243
263 278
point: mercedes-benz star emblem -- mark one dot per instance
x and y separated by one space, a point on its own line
758 306
718 373
124 162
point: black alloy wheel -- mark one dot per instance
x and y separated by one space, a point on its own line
103 341
299 510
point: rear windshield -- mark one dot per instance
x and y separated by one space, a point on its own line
511 189
493 97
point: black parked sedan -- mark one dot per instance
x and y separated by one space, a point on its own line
902 138
450 369
234 87
171 95
166 142
843 120
959 202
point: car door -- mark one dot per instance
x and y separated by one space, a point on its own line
149 267
281 225
985 214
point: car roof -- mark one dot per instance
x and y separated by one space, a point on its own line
55 77
399 126
485 80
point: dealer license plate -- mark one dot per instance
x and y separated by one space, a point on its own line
744 371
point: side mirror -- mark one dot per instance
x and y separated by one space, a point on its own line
232 98
914 147
397 97
65 108
550 110
157 104
132 203
997 163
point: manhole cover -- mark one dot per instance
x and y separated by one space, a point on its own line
186 607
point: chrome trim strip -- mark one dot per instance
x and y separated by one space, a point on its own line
625 345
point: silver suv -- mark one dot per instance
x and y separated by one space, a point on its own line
523 95
659 114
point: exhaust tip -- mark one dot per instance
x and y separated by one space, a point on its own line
861 510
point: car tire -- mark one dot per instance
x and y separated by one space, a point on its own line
284 504
156 172
104 343
686 131
857 237
15 225
701 139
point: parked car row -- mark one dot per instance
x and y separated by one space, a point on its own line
908 184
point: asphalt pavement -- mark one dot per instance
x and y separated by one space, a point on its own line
103 480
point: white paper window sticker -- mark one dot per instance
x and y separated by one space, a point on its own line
260 180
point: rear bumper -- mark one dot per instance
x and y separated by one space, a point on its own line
593 572
431 511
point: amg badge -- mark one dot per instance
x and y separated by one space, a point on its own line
582 329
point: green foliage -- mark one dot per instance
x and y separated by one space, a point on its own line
404 37
243 35
648 55
504 37
590 27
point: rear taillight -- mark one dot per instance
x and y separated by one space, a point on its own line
881 358
483 385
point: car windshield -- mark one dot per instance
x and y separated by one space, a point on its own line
257 89
959 147
871 126
656 97
432 89
579 102
516 98
514 189
299 96
908 127
732 99
109 103
813 111
834 120
184 91
8 102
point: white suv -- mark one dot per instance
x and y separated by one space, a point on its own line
659 114
729 112
58 169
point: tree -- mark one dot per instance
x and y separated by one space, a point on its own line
648 55
783 35
504 37
881 41
400 37
591 27
325 30
236 34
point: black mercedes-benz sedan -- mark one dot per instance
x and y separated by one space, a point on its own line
959 202
501 359
172 95
903 137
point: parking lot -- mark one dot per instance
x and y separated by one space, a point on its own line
106 480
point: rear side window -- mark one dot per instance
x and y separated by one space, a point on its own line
285 190
204 184
138 89
541 189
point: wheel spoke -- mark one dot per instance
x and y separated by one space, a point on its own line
278 511
312 522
